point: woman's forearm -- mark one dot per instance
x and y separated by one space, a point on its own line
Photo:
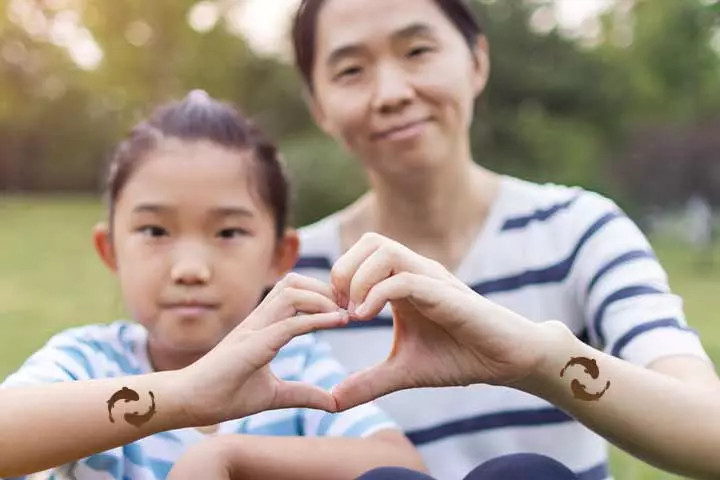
50 425
297 458
663 420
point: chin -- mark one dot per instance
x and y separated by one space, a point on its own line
189 336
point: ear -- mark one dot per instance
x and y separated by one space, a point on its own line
103 245
285 256
481 67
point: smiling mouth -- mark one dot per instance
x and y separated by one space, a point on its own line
402 132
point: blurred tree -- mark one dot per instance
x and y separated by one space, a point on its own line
670 68
557 108
545 113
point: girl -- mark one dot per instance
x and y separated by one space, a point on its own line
196 231
395 83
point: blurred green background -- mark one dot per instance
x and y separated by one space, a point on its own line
626 102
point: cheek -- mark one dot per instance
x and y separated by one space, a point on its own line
241 281
453 94
454 102
347 115
140 276
244 265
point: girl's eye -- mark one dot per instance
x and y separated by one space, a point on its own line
229 233
348 72
419 51
153 231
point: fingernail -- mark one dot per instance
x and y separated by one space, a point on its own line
360 310
351 307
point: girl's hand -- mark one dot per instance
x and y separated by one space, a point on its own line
445 333
234 380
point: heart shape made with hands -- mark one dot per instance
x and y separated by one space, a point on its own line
445 334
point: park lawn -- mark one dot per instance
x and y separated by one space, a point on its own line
51 279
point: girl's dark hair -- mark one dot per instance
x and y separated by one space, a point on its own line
305 28
200 117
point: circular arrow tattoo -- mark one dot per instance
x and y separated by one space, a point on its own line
578 389
127 395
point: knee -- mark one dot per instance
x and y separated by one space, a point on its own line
393 473
522 466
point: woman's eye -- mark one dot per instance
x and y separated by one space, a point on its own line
419 51
153 231
232 233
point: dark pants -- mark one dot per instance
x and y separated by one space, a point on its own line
520 466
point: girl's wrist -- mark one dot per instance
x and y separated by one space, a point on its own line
180 399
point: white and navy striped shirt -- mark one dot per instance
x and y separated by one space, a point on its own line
546 252
120 349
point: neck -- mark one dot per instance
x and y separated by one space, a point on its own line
437 214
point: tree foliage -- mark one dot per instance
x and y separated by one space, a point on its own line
635 114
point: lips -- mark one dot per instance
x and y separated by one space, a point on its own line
401 131
190 308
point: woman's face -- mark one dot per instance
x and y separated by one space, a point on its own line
395 82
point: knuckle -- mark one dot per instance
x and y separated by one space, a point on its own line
392 251
293 279
339 277
436 265
371 237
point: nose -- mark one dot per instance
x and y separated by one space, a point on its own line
191 265
393 91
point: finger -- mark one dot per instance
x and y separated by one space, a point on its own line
288 302
279 334
367 385
439 301
398 287
300 281
387 260
299 394
390 259
261 346
344 268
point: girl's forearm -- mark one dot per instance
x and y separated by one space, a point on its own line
663 420
50 425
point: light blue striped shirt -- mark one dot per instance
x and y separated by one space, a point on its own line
120 349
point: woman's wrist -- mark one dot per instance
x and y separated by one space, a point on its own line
556 344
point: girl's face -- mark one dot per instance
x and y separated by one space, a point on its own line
192 244
395 81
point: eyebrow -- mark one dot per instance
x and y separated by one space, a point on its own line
412 30
216 212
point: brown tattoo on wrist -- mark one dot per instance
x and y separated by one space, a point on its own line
128 395
578 389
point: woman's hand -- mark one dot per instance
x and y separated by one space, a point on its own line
445 333
234 380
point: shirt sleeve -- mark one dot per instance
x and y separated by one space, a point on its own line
362 421
64 358
629 309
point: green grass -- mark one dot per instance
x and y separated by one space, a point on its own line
51 279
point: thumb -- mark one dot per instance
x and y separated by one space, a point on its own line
303 395
367 385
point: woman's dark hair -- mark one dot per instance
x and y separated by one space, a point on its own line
200 117
305 28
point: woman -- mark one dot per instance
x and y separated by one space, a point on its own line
395 82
